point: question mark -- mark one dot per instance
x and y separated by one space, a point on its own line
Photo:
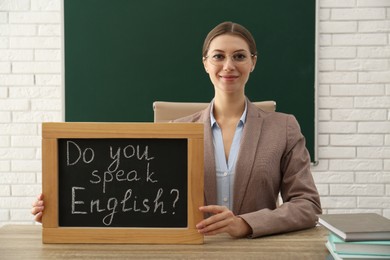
177 198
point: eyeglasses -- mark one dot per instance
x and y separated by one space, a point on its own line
238 58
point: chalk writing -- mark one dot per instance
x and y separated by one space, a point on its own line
118 179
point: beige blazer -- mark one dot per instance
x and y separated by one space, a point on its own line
272 159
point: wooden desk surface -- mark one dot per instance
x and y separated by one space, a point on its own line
25 242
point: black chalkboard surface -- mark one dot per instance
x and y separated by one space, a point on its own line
123 182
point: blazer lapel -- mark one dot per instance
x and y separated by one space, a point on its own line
247 154
210 178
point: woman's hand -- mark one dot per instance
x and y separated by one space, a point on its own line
222 221
37 208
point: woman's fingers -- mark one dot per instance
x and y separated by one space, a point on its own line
37 208
216 211
40 197
37 203
213 209
222 221
38 217
217 223
215 227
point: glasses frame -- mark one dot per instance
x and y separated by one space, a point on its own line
231 57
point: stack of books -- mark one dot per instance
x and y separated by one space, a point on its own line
357 236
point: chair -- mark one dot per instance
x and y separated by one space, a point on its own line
167 111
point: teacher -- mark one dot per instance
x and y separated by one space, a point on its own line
250 155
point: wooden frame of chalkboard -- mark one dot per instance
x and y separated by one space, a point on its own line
54 133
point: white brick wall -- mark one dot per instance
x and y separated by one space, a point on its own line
354 106
353 173
30 93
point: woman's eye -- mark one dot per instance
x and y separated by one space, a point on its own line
218 57
239 57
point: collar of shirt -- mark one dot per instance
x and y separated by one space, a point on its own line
212 118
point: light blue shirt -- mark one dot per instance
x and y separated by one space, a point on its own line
225 170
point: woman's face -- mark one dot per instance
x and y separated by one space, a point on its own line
229 63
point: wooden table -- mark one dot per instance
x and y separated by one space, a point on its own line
25 242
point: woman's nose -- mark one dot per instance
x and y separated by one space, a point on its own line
228 64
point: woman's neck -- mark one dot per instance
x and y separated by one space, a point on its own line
229 107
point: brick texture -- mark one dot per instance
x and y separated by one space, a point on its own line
354 127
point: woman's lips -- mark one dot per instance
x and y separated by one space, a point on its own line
228 77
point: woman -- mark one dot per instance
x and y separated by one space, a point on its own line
250 155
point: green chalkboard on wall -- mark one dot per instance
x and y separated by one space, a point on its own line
122 55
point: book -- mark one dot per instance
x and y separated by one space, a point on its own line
360 247
357 226
337 256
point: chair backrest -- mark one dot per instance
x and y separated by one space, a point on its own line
167 111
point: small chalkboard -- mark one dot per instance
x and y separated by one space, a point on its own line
122 183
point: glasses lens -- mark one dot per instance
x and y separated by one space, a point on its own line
240 58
